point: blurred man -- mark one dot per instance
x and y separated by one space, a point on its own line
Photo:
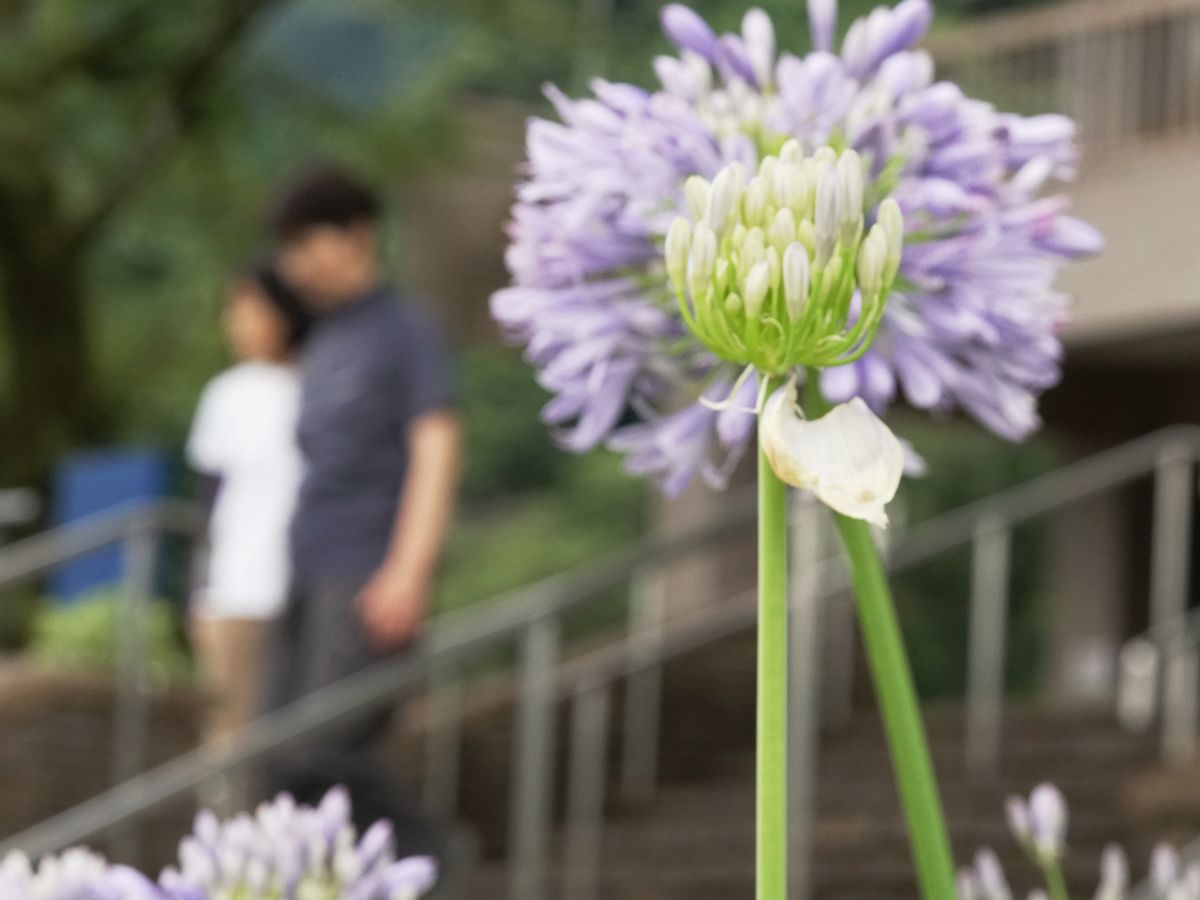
380 442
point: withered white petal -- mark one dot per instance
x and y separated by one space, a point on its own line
848 458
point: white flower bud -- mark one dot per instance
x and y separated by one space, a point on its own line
701 260
1164 866
1018 819
1047 820
990 873
695 192
758 282
848 458
725 194
754 249
791 152
850 188
733 304
679 238
825 224
1114 874
795 280
783 229
826 156
754 201
872 256
892 221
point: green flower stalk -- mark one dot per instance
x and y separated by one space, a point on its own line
778 272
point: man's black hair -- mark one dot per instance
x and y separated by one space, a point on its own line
322 195
296 317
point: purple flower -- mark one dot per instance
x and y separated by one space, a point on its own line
287 850
76 874
973 323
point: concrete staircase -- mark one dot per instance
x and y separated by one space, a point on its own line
695 840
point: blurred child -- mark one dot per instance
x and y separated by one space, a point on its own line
244 439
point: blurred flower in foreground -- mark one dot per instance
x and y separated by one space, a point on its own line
972 321
1040 826
76 874
291 852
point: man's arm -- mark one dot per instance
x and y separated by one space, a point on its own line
394 602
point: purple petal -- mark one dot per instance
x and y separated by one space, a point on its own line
686 30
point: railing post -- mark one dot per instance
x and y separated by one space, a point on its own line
804 689
1180 702
1137 684
131 706
1170 552
585 792
533 769
443 744
643 687
990 558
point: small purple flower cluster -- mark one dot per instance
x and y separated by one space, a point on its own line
284 851
1040 826
973 322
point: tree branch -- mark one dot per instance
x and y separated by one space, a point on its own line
174 115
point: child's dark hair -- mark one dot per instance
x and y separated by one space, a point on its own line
297 319
322 195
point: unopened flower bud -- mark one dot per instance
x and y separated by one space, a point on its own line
872 256
724 196
791 153
701 259
828 216
754 201
795 280
783 230
850 186
1047 820
892 221
678 243
758 282
695 193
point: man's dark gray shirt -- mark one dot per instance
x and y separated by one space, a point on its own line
368 371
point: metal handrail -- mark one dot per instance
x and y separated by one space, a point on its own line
533 614
30 557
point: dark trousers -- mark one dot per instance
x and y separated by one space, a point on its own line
318 640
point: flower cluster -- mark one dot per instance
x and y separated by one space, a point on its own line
1040 826
285 851
77 874
972 321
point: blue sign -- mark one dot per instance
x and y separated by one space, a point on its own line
94 482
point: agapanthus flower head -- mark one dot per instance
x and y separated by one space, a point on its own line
287 851
76 874
972 320
1039 824
774 271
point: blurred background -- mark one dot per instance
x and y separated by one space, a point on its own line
139 144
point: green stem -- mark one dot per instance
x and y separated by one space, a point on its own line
1055 883
897 700
772 764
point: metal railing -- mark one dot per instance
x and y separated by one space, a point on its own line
531 618
1122 69
138 529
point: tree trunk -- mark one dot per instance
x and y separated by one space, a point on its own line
53 402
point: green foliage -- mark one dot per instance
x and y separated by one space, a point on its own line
18 610
592 508
84 635
509 450
967 464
